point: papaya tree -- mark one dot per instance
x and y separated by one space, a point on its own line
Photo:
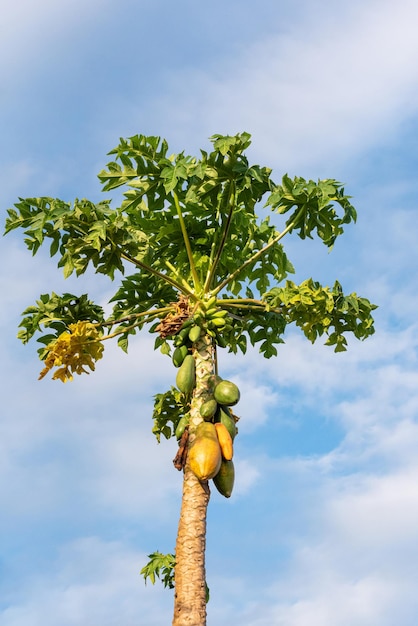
208 272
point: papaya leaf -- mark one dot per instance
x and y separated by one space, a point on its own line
160 566
322 207
57 312
318 310
191 226
169 408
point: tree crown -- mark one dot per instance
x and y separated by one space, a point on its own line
190 229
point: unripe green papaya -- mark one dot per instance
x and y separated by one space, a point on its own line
208 409
224 479
218 322
194 333
204 456
179 355
209 303
225 418
181 426
183 332
210 312
187 323
182 337
226 393
186 376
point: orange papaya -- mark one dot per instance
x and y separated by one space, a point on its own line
225 441
204 456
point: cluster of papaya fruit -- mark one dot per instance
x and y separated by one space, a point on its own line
209 319
210 454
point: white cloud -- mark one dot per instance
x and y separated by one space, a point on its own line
363 602
32 30
89 438
246 476
133 474
377 513
353 536
353 518
255 403
91 582
359 566
321 91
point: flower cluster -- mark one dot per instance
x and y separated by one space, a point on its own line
73 351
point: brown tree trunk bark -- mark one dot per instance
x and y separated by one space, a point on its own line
189 574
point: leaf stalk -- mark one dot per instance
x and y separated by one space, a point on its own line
151 270
186 239
257 255
230 196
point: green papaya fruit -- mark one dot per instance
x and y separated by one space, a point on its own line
226 392
218 322
208 409
186 375
225 418
209 303
224 479
182 337
179 355
194 333
181 426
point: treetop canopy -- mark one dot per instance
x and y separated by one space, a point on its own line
189 228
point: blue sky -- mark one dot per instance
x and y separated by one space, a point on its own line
322 527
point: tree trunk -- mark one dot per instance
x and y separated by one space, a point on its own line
189 574
190 577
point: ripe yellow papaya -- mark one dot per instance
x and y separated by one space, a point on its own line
226 392
186 375
224 479
204 456
225 441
